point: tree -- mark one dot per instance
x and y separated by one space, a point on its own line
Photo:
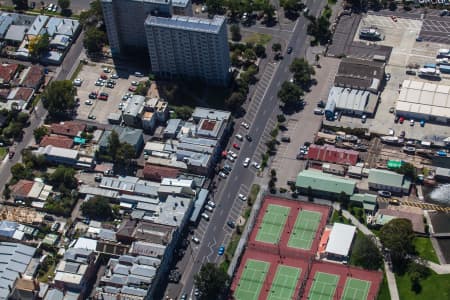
19 171
39 45
125 154
39 133
408 170
183 112
97 208
276 47
417 271
211 281
260 51
302 72
366 254
59 98
64 177
235 61
234 101
20 4
235 32
249 55
281 118
113 145
64 4
94 39
343 199
290 93
214 6
397 236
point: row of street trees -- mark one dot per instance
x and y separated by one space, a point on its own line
239 7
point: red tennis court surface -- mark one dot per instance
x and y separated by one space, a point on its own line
282 247
343 272
274 261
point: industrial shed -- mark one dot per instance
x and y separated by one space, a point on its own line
424 101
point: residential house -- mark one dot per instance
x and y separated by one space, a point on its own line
19 97
157 173
64 156
32 77
68 128
7 74
35 191
59 141
21 189
389 181
132 136
25 289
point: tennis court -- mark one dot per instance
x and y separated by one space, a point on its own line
252 280
323 287
356 289
272 224
305 229
284 283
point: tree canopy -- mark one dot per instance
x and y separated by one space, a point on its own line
64 177
302 72
59 99
235 32
64 4
20 4
366 254
97 208
290 94
397 236
39 45
94 39
39 133
211 281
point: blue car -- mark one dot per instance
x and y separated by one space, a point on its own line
422 123
221 251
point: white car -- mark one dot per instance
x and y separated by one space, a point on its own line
50 7
232 154
239 137
138 74
107 70
196 240
223 175
88 102
55 8
205 216
134 83
256 165
245 125
212 204
114 76
230 158
77 82
246 162
209 208
242 197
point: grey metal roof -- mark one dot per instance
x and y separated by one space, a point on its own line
62 26
37 25
180 3
187 23
5 21
107 234
16 33
145 271
172 126
71 267
134 106
212 114
134 291
54 294
121 269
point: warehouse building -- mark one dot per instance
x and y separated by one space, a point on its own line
353 102
424 101
324 185
388 181
340 242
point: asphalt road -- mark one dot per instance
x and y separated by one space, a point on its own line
226 194
39 114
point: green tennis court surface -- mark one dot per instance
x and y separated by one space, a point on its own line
356 289
305 229
252 280
323 287
272 224
284 283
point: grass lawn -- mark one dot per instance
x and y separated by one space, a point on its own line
359 234
383 293
433 287
425 249
77 71
258 38
3 151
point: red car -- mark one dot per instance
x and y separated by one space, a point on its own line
103 97
104 76
236 146
132 89
401 120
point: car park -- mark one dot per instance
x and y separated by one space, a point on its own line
196 240
242 197
209 208
248 137
245 125
221 251
205 216
239 137
385 194
212 204
246 162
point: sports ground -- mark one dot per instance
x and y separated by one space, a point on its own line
279 264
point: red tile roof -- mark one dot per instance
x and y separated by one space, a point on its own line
4 93
332 154
7 72
208 125
22 188
34 77
156 173
69 128
23 93
57 141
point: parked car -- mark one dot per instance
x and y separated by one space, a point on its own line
289 50
138 74
221 251
239 137
286 139
132 89
236 146
55 226
205 216
411 122
222 174
245 125
256 165
321 104
209 208
93 95
212 204
242 197
196 240
88 102
248 137
231 223
401 120
422 123
77 82
234 155
318 111
114 76
385 194
246 162
134 83
227 167
107 70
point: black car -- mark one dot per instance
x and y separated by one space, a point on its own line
225 171
227 167
321 104
232 224
249 138
93 95
289 50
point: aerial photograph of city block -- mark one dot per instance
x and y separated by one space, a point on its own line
224 149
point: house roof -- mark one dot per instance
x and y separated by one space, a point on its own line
16 33
69 128
325 182
57 141
33 76
7 72
156 173
341 237
358 73
387 178
22 188
332 154
21 93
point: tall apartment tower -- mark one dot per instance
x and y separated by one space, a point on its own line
124 20
189 47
